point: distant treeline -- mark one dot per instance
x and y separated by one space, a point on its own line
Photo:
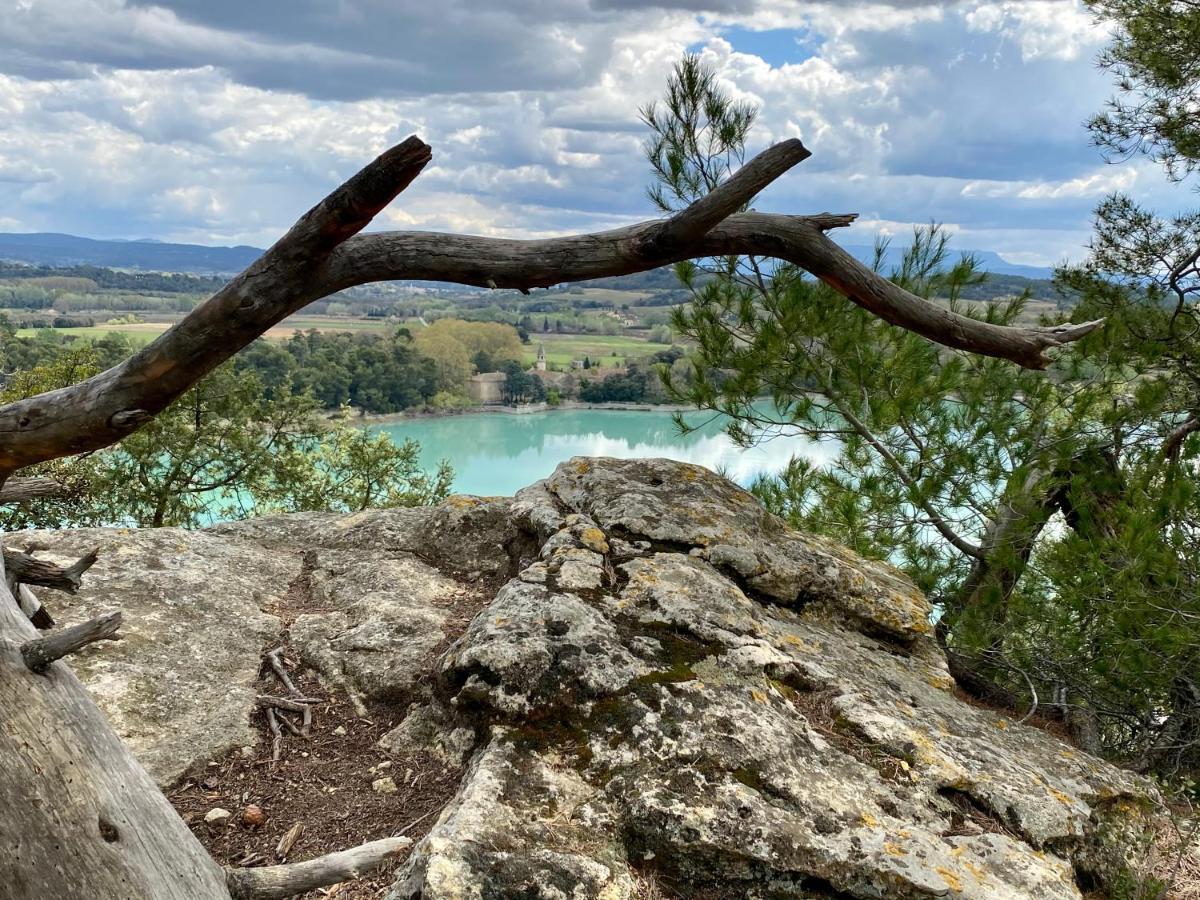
161 282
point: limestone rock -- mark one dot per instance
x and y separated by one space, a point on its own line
670 724
669 687
431 728
384 785
179 686
384 607
384 618
681 506
462 536
217 816
533 648
523 826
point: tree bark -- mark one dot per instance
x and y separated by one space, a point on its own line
1021 515
40 652
25 568
81 818
271 882
22 490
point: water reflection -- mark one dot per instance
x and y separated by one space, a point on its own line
499 453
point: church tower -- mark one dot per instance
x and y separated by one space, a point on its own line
541 358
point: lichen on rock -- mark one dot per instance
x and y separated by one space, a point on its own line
669 685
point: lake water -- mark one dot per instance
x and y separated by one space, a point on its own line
499 453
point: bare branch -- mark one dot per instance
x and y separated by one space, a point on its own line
270 882
107 407
320 255
698 219
40 652
1175 439
25 568
493 262
31 606
22 490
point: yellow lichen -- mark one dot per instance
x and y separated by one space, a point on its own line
594 540
952 881
1062 798
869 820
892 849
941 682
977 872
758 696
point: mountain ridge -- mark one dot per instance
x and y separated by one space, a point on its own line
59 249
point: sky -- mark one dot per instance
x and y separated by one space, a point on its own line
220 122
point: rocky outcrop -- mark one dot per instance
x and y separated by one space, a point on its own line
179 685
667 692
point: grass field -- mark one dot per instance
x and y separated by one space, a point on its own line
561 349
608 350
144 332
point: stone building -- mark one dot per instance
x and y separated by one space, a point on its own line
486 387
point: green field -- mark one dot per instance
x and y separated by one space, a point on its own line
561 349
607 350
144 332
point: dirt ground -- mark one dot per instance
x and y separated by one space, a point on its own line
323 782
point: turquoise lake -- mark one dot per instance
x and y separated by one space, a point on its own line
499 453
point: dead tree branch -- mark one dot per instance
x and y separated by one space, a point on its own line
269 882
32 607
321 255
25 568
40 652
23 490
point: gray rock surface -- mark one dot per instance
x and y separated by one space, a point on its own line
729 706
669 691
179 686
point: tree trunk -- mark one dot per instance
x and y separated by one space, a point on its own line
1020 517
81 818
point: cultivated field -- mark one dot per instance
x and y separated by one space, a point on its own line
607 350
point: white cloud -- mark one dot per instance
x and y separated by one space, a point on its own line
1043 29
217 121
1092 185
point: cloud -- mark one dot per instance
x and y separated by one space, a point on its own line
217 121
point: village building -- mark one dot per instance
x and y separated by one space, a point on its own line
486 387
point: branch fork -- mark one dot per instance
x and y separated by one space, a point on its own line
324 253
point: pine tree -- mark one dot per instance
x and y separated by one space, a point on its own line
952 465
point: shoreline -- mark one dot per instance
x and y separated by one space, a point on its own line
366 419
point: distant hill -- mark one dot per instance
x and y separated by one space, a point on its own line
68 250
155 256
989 260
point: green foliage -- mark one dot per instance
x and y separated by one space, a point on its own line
1051 517
627 388
696 139
348 469
230 447
1155 60
373 373
521 386
57 367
